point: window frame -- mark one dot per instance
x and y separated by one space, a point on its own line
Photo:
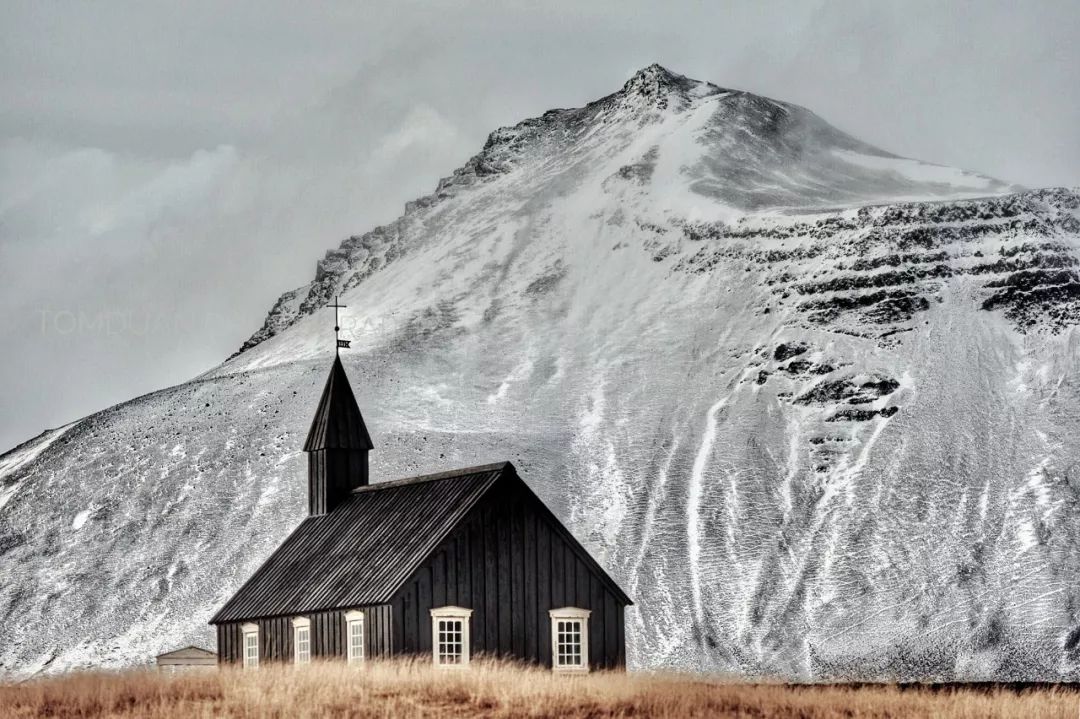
250 630
570 614
451 613
355 618
301 624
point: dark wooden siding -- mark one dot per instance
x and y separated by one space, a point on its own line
332 474
510 563
327 636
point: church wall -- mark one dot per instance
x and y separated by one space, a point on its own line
510 563
327 636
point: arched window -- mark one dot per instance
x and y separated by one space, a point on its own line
354 636
450 636
251 645
570 639
301 640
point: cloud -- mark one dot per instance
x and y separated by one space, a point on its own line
175 191
145 268
176 167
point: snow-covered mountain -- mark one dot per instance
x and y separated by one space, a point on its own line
813 404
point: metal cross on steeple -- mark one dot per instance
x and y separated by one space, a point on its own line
338 342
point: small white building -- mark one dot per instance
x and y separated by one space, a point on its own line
186 659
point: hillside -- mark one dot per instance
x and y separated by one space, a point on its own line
811 403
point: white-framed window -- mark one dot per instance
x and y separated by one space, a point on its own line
251 645
301 640
570 639
450 636
354 635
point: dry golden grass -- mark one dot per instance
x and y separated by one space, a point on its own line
416 689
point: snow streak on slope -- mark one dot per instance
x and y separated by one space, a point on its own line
19 457
818 431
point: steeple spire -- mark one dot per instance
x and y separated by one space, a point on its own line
337 444
338 423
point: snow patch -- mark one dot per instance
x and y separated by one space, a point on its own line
80 519
916 171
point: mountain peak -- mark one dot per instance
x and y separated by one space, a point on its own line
656 71
655 84
652 77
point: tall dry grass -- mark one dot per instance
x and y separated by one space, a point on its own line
416 689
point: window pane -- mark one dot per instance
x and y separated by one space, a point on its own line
303 645
356 640
568 648
251 649
450 647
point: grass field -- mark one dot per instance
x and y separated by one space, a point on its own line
404 689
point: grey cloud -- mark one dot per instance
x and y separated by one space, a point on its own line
170 169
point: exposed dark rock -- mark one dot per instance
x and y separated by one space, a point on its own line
881 307
1072 641
786 351
862 415
881 386
845 389
805 367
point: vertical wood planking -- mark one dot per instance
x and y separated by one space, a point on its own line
582 584
544 591
450 581
620 617
409 620
611 631
558 577
505 597
479 605
438 580
397 615
529 563
599 651
570 567
515 520
461 555
423 607
491 584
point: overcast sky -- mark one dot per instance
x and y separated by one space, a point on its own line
167 169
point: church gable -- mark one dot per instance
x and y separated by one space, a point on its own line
510 562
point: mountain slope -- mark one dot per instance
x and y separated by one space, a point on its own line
725 153
810 402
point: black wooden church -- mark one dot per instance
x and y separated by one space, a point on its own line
448 565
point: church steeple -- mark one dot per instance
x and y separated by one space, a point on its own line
337 445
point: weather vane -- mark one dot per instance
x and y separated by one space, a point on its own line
340 343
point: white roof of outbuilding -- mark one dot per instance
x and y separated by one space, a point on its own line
187 652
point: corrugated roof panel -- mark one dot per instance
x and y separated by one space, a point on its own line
361 552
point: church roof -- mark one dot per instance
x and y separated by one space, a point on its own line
338 423
365 549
